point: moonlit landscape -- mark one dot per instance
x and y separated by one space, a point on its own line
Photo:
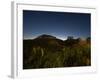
64 36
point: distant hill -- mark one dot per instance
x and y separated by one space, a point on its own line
46 36
44 41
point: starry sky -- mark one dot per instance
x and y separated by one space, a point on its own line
58 24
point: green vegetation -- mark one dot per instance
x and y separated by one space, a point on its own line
52 53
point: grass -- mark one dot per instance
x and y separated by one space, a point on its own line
49 56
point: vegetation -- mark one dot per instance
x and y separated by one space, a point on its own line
45 52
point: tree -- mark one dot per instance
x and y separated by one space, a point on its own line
70 38
88 39
69 41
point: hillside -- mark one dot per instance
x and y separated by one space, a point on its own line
46 51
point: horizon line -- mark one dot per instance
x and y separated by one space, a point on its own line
74 37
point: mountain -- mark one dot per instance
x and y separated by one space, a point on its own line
46 36
44 41
47 41
51 42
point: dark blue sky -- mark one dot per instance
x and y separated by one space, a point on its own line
59 24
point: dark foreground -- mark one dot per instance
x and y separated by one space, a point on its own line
52 52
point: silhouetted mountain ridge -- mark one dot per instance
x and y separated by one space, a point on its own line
44 41
46 36
47 40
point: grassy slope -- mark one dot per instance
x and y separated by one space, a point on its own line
55 53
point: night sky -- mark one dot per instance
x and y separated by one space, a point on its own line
58 24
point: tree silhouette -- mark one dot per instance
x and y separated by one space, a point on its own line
88 39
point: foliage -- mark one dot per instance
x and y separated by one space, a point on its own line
52 53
